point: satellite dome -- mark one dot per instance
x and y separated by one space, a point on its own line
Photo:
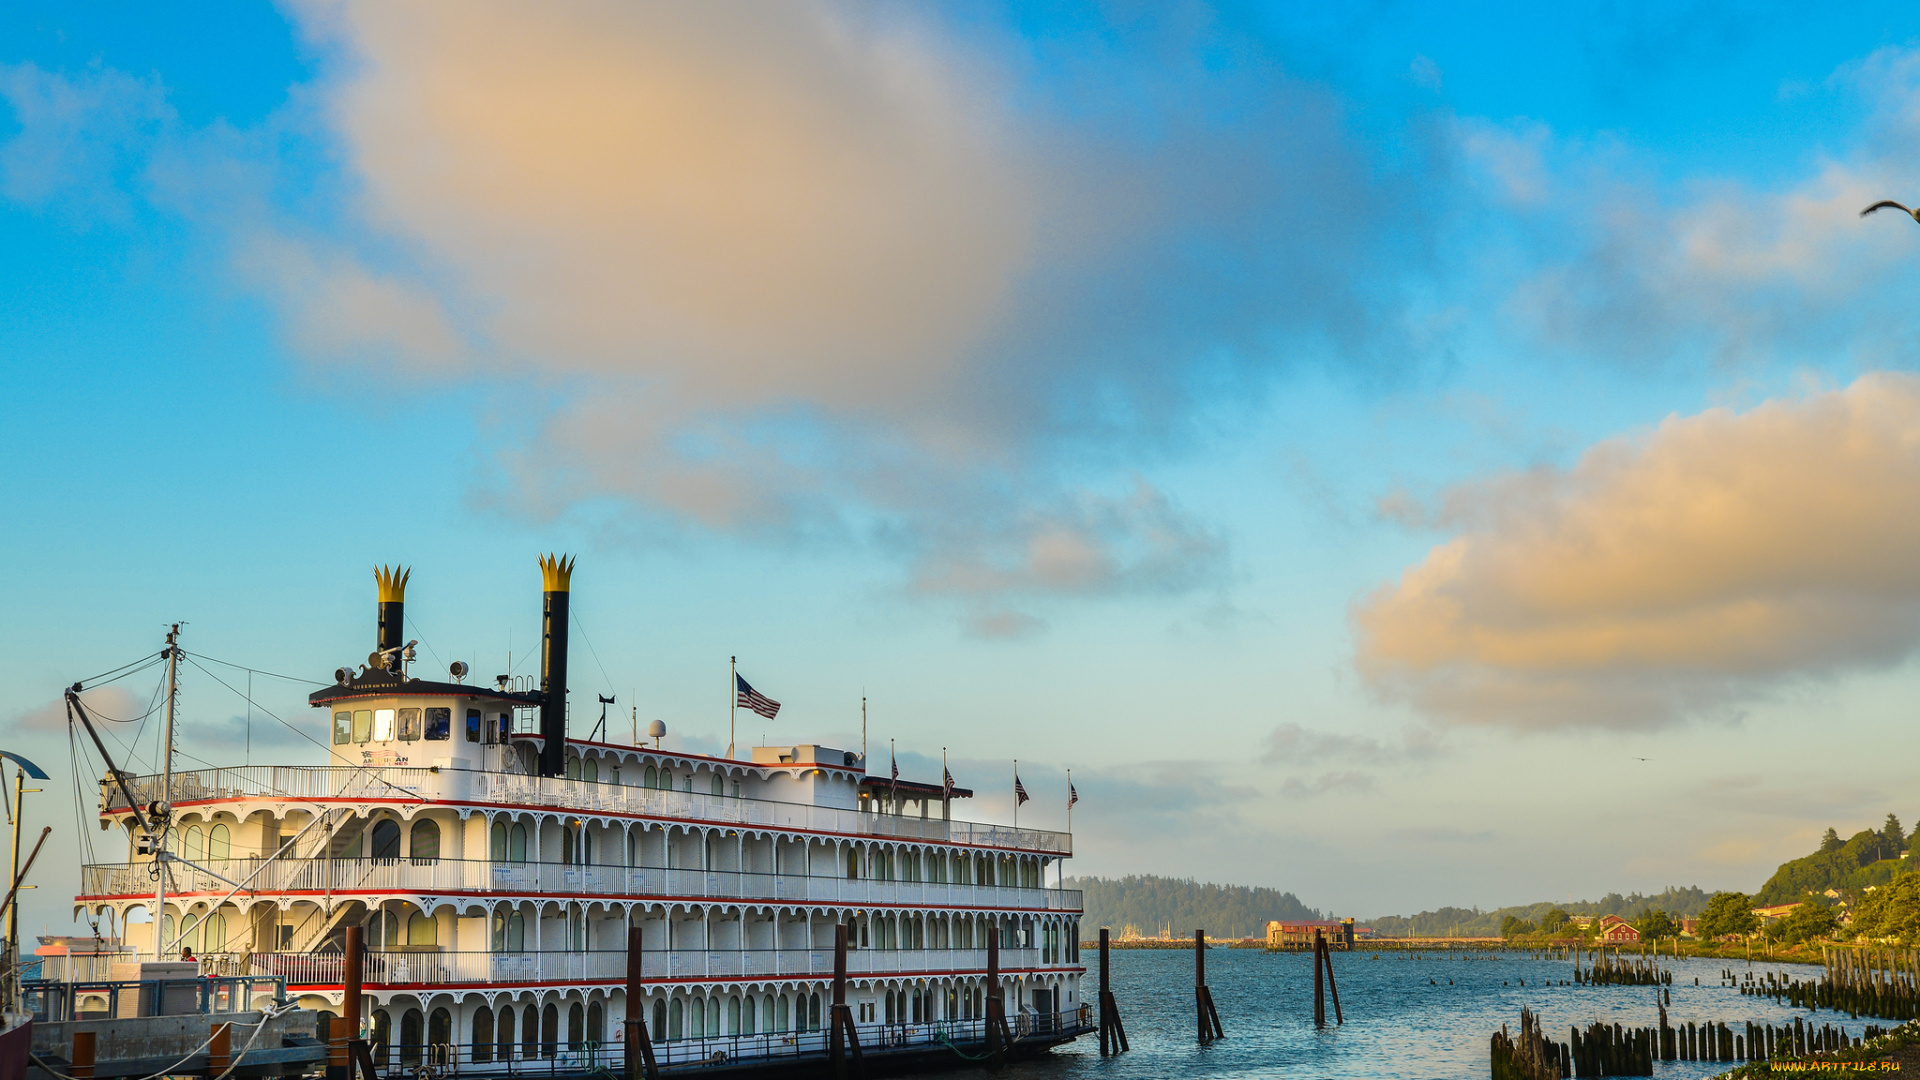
657 729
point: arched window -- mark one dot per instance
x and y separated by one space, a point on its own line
549 1030
813 1012
566 844
482 1034
219 843
423 929
425 846
719 785
590 772
586 848
530 1033
746 1016
440 1028
891 1011
517 843
509 931
214 932
633 848
390 929
497 850
596 1024
382 1036
576 1027
504 1033
189 936
659 1021
573 768
386 839
675 1014
652 777
781 1018
196 843
411 1036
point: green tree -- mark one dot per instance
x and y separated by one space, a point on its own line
1728 913
1896 840
1892 910
1805 922
1511 927
1554 921
1830 843
1654 923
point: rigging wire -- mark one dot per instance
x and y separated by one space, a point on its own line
120 672
331 752
595 653
255 671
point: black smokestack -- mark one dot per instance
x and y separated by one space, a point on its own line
557 573
393 603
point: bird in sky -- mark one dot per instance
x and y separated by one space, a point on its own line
1643 759
1884 203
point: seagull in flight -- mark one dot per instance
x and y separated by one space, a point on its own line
1884 203
1643 759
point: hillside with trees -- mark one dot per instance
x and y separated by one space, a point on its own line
1148 905
1871 858
1511 921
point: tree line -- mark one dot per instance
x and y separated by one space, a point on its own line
1148 905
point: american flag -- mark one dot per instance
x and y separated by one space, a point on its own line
946 783
754 699
1072 795
1019 790
896 779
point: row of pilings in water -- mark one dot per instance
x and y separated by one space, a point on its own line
1608 968
1611 1050
1859 982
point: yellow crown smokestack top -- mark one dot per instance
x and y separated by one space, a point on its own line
556 573
393 596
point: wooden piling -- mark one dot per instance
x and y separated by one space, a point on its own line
1319 993
841 1037
640 1063
1333 988
220 1050
1113 1036
997 1034
82 1055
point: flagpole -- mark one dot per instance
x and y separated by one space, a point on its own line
863 730
946 800
733 698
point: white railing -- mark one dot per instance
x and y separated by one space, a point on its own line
573 796
441 876
461 968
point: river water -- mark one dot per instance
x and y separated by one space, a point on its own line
1408 1015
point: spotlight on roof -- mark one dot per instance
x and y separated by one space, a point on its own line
457 669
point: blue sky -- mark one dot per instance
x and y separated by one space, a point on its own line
1349 438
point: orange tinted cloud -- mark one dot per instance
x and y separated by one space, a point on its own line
1707 561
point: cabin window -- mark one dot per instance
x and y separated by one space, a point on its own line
590 770
423 929
342 728
409 725
746 1026
497 850
473 725
659 1021
383 725
440 1027
529 1032
410 1036
550 1030
219 843
386 840
425 847
566 846
196 844
652 778
483 1034
188 937
853 863
504 1033
440 724
596 1023
674 1016
382 1037
509 935
214 932
362 725
719 786
576 1026
573 768
517 844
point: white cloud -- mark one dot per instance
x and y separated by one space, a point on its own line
1709 561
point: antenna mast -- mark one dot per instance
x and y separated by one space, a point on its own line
164 812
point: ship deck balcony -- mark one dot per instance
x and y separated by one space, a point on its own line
453 877
431 784
414 969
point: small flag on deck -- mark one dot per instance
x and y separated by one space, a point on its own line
1019 790
754 699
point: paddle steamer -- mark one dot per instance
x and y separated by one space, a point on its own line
495 866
